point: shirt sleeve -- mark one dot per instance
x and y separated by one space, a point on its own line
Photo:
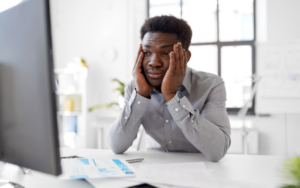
123 130
209 129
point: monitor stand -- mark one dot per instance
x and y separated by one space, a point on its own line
8 184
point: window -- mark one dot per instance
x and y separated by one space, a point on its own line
222 42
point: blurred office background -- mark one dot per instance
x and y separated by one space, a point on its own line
254 45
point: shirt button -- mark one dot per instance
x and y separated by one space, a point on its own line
167 121
192 121
139 102
176 109
183 106
170 142
126 117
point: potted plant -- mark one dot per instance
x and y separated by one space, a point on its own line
120 103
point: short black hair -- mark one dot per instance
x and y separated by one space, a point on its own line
169 24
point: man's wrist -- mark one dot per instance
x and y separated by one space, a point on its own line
143 94
169 96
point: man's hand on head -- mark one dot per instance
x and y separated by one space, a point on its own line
175 73
142 86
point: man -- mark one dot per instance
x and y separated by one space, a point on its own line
182 109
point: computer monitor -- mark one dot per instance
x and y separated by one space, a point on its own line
28 124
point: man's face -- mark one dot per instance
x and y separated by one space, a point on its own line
156 47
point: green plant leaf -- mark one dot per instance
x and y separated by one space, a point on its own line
291 171
82 60
117 80
290 186
120 89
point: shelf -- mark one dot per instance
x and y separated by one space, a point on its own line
69 113
72 86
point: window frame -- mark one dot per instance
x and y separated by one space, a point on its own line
220 44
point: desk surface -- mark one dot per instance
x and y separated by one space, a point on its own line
231 171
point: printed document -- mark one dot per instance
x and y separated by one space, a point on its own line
82 168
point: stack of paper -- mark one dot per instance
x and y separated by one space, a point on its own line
178 174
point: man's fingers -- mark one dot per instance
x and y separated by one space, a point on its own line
139 62
185 59
137 56
140 50
172 61
181 60
176 53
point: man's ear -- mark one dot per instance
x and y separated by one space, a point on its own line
189 54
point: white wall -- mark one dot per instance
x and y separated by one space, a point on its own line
277 21
283 23
90 29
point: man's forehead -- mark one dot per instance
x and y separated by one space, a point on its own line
159 38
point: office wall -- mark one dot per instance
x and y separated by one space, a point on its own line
282 16
106 34
277 21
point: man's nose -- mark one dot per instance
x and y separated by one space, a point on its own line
155 61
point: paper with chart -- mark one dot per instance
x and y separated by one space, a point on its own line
279 67
178 174
82 168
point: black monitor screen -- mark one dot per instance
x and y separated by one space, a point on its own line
28 125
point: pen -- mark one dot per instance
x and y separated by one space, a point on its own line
71 157
135 160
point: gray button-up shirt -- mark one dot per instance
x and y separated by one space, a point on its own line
198 123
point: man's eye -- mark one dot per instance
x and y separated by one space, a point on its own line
166 53
146 53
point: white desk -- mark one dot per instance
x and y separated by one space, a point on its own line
236 171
